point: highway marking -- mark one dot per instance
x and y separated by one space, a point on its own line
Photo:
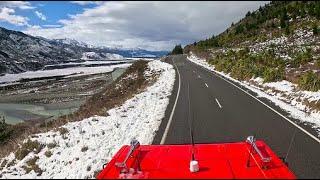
164 136
206 84
218 103
228 81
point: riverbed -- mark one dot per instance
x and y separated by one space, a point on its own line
39 99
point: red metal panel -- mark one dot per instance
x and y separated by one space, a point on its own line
226 160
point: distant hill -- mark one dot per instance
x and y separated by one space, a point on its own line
278 41
21 52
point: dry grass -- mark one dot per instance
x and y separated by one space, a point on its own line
314 105
28 147
51 145
31 165
98 104
110 97
96 173
63 130
3 164
11 163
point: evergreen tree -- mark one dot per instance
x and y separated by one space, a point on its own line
283 18
177 50
239 29
315 29
317 10
248 14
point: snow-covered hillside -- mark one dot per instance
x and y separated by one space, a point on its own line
21 52
83 147
101 56
283 93
73 42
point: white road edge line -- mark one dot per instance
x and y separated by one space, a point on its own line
218 103
299 127
164 136
206 84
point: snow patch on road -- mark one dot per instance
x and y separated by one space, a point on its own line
291 103
139 118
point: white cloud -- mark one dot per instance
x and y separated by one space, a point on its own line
52 25
16 4
7 15
40 15
7 12
82 3
149 25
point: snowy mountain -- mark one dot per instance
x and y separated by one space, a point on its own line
73 42
97 56
20 52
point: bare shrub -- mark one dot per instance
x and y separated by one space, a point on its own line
48 153
28 147
84 148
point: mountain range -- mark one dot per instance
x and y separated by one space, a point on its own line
21 52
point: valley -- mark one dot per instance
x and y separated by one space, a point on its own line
52 93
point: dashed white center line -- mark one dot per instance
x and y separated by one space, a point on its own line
206 84
218 103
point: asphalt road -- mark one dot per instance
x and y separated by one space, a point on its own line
221 112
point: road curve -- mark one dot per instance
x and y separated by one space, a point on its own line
221 112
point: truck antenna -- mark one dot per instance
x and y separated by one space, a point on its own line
194 165
190 120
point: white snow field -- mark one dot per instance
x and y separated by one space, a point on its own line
139 118
292 103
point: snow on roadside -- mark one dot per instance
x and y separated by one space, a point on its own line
293 105
139 117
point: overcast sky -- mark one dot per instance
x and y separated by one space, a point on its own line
148 25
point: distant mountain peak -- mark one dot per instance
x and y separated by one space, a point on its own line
22 52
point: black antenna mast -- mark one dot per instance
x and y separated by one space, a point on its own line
190 124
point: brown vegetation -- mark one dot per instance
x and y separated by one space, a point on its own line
31 165
114 94
28 147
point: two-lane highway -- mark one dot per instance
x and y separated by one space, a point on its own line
221 112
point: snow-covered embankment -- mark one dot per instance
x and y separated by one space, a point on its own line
88 144
286 96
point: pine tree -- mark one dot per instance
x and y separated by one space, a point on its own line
248 14
315 29
283 18
317 10
177 50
